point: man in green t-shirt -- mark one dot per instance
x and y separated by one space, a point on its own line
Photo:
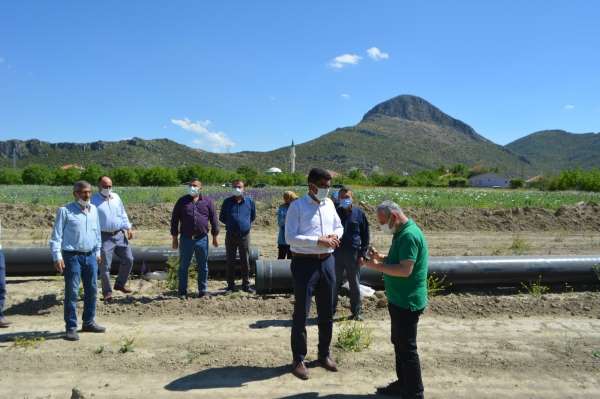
405 276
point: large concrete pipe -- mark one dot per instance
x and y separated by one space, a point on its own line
274 276
37 261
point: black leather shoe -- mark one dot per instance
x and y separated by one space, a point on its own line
93 328
231 288
394 389
249 290
71 335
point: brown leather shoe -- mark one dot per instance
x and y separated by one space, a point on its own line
328 364
4 323
124 290
299 370
107 297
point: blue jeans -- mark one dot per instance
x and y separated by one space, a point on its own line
188 248
80 268
2 282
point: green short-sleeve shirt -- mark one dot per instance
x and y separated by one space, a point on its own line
408 292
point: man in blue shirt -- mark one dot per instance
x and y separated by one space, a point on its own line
116 233
352 250
75 246
237 213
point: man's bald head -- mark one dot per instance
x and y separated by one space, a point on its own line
105 182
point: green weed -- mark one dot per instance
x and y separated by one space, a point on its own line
127 344
28 342
519 245
436 285
354 336
535 288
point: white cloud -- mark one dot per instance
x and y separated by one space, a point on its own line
377 54
569 107
206 137
345 96
344 60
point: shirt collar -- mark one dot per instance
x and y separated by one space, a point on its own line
409 222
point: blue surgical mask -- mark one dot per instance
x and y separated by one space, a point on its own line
346 203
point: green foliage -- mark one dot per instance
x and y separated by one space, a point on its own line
436 285
458 182
124 176
459 170
37 174
66 177
173 269
575 180
10 176
27 342
354 336
127 344
158 176
92 173
248 174
519 245
535 288
99 350
517 183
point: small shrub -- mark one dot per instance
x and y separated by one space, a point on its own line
460 182
127 344
99 350
519 245
535 288
517 183
354 337
28 342
173 270
436 285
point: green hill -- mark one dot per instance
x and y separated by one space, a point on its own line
403 134
554 150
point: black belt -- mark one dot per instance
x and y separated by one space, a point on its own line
197 236
311 256
112 233
78 253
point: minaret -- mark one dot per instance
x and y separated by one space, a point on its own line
293 157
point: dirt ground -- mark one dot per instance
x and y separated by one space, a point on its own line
237 346
581 217
472 345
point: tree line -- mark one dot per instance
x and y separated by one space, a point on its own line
454 176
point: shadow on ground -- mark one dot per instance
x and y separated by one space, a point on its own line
34 307
47 335
279 323
226 377
315 395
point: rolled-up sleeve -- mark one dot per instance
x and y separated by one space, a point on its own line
292 229
57 234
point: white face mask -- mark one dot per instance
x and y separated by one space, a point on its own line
237 192
322 193
386 229
193 191
106 192
83 203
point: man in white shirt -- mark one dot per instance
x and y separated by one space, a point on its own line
116 233
313 230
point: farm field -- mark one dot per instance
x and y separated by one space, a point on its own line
483 345
433 198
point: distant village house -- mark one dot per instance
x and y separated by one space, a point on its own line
491 180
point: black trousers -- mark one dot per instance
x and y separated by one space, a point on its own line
233 243
316 277
404 337
284 252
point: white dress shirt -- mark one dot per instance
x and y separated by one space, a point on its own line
307 220
111 213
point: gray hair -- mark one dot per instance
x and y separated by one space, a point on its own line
389 207
80 185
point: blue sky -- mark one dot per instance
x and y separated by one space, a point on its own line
253 75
